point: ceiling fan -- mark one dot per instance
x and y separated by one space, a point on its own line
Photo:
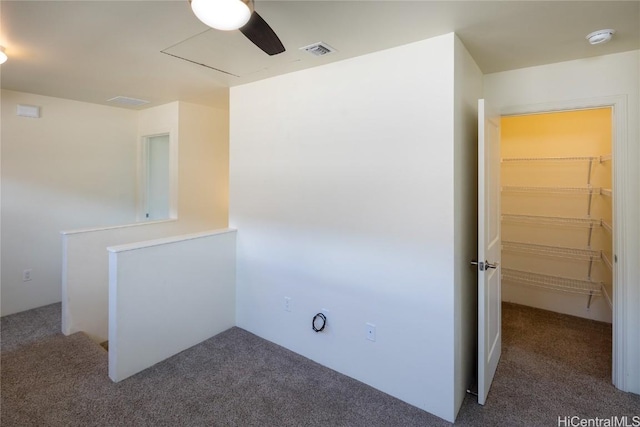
238 14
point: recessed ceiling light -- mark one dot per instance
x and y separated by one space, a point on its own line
600 36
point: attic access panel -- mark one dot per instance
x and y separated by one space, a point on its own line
228 53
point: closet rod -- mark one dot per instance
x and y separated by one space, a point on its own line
556 283
555 251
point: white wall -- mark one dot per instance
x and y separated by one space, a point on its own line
199 162
597 77
203 194
85 272
77 167
159 120
199 146
467 91
342 191
186 286
73 167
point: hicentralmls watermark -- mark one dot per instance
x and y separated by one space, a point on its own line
615 421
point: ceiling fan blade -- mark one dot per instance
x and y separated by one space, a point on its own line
261 34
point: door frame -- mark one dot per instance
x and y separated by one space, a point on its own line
142 176
621 275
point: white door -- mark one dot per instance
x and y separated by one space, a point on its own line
157 188
489 310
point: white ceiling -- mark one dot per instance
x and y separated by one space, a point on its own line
95 50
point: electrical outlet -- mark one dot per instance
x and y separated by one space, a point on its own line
26 275
370 330
287 304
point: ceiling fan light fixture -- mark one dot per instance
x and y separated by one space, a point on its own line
223 14
600 36
3 55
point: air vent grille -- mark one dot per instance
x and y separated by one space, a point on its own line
129 102
318 49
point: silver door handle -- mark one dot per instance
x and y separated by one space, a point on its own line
483 266
488 265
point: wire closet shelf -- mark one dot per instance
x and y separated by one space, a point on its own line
600 159
576 286
556 220
553 251
558 190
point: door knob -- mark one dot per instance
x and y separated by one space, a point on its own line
483 266
488 265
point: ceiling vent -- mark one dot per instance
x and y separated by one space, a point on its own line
129 102
318 49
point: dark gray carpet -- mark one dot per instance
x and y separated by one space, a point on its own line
233 379
20 329
551 365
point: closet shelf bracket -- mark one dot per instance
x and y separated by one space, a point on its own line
606 261
606 226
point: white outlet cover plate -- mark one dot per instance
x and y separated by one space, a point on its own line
371 331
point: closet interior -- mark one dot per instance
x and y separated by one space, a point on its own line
556 211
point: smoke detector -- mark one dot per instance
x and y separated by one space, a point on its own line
600 36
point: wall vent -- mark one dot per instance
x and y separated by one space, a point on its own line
129 102
31 111
318 49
